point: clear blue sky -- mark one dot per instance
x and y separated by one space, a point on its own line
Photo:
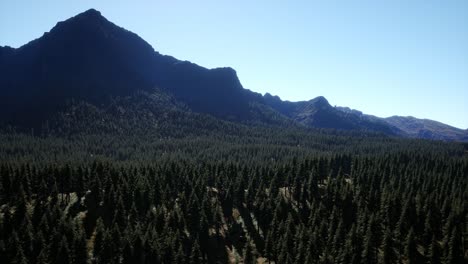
399 57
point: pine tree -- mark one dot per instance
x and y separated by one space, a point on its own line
410 248
387 248
248 255
20 257
434 252
107 253
455 253
139 254
195 254
269 244
179 257
98 238
81 249
43 257
63 253
368 252
127 253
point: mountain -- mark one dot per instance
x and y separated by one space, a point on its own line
428 129
319 113
412 127
89 59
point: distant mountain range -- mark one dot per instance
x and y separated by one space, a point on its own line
87 58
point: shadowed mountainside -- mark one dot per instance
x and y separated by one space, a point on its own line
87 58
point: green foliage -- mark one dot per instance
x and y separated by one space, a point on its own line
213 191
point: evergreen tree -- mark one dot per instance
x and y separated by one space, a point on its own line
248 256
368 253
63 252
434 256
410 248
387 249
195 254
455 252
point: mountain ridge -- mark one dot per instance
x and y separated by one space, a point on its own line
90 58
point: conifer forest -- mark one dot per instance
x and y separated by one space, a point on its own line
229 193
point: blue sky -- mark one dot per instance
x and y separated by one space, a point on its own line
399 57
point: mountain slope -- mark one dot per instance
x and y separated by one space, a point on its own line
428 129
319 113
89 59
85 57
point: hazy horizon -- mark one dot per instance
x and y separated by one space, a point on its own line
385 59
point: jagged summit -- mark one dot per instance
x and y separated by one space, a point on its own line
320 101
90 18
91 13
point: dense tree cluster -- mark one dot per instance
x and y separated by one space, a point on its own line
218 192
